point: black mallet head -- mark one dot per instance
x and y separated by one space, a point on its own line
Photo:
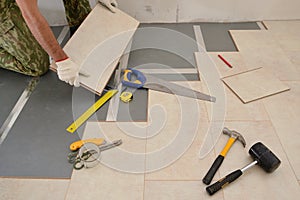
265 158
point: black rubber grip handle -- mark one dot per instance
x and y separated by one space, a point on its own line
213 169
223 182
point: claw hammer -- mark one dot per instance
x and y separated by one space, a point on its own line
234 136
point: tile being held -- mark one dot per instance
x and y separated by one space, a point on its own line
114 35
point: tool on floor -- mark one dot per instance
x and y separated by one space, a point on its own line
151 82
262 156
87 114
225 61
126 96
13 115
78 144
89 154
131 85
234 136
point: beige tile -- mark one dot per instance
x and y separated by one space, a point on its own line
260 48
255 183
105 35
186 167
294 57
287 34
236 110
29 189
114 178
284 113
128 157
174 124
102 182
253 85
292 27
284 29
177 190
235 59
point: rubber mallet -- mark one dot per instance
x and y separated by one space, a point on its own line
262 156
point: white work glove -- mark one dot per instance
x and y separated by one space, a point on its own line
110 4
68 71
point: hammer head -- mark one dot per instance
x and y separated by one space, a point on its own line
234 134
265 158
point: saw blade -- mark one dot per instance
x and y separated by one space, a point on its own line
172 88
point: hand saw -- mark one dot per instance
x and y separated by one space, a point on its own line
151 82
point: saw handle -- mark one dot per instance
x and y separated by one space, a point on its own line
212 189
138 83
213 169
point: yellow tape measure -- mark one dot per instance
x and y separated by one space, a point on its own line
126 96
87 114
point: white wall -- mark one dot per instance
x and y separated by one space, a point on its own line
191 10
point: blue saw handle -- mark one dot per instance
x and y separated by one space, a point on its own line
138 83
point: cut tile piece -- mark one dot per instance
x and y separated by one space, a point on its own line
20 189
177 190
284 112
253 85
235 59
236 110
260 48
98 44
281 184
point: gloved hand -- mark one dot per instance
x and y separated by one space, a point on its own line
110 4
68 71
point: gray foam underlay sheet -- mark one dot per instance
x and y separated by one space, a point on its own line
37 144
57 30
136 110
172 45
216 35
12 85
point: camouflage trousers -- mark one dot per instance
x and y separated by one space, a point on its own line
19 50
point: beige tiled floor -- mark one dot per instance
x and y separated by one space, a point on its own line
150 146
17 189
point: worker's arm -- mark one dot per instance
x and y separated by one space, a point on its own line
67 70
40 29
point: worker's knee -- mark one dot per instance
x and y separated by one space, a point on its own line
36 66
20 51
